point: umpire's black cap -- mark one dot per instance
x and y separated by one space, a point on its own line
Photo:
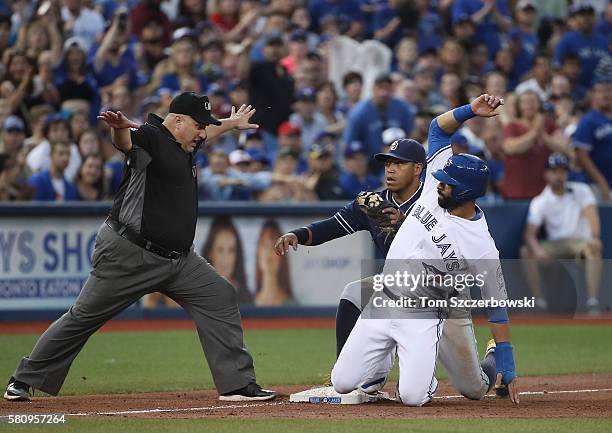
404 149
194 105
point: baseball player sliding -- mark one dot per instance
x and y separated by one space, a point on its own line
445 235
457 349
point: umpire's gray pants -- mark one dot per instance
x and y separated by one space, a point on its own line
457 352
121 274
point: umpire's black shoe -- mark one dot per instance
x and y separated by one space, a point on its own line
17 391
251 392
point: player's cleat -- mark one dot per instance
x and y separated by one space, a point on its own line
251 392
374 386
501 391
17 391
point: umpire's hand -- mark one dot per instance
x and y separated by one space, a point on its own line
281 247
117 120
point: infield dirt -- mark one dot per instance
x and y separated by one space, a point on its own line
581 396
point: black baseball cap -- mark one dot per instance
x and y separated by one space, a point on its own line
404 149
194 105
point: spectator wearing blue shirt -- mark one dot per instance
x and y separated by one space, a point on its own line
387 22
429 26
51 185
114 58
523 39
593 139
491 17
346 11
369 118
585 43
355 177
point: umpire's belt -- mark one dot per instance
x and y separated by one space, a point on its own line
142 242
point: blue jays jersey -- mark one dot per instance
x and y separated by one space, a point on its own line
351 219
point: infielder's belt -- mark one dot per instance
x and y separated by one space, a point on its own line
142 242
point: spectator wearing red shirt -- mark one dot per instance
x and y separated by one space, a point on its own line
528 141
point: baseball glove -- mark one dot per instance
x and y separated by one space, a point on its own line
373 204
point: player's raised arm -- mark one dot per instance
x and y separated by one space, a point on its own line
443 126
483 106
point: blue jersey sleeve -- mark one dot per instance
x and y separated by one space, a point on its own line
583 136
437 138
346 221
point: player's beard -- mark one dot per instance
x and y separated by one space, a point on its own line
448 203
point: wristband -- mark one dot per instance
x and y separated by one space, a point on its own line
463 113
301 234
504 361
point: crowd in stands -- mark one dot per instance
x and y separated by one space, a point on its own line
333 82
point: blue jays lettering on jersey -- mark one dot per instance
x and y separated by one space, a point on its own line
351 219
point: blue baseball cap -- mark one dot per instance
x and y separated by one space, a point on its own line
557 160
258 155
54 117
404 149
353 148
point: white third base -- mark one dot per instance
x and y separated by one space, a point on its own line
327 395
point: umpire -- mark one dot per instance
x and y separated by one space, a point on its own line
146 245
